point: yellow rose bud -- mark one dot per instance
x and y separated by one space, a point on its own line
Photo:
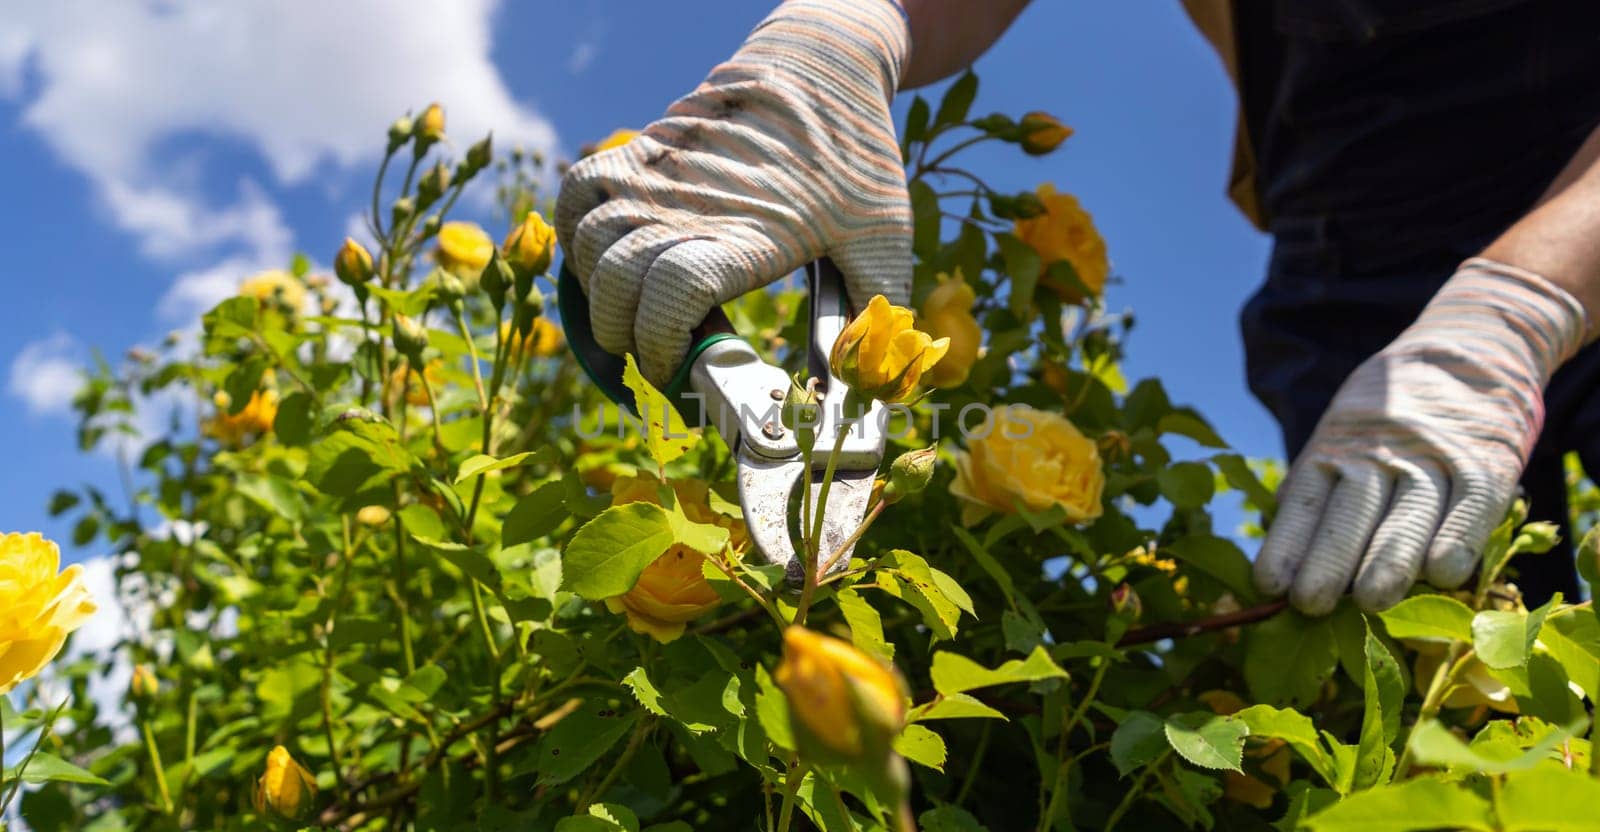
464 249
276 287
285 788
1066 233
430 127
432 185
373 515
143 685
618 138
671 592
352 265
843 704
1033 458
910 473
947 313
882 355
1042 133
410 337
1475 685
39 607
531 245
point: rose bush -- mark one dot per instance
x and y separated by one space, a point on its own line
503 604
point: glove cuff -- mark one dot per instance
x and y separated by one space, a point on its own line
1547 318
822 36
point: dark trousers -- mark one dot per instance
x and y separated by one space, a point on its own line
1333 297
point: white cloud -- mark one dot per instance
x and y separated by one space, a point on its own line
46 375
119 86
583 55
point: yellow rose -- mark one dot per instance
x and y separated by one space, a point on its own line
285 787
882 355
530 245
464 249
1042 133
947 313
545 341
671 592
618 138
1066 232
38 607
842 702
254 419
353 264
279 287
430 126
1033 457
143 684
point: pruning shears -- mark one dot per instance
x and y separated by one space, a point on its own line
743 396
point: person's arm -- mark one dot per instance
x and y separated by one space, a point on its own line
1418 456
948 35
1560 238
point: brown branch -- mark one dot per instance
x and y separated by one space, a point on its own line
1194 627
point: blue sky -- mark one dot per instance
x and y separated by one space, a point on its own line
157 153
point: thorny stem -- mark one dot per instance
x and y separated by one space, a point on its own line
1065 760
1194 627
791 787
328 655
854 538
377 195
814 545
155 763
975 764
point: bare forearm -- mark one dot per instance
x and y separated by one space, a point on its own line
1560 238
948 35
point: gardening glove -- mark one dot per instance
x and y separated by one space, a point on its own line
1417 459
784 154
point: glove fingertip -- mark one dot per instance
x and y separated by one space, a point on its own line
1378 593
1315 598
1451 563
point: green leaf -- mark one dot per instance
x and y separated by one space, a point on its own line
605 557
274 494
1437 617
1589 560
949 819
925 219
471 560
296 418
1208 740
916 584
1504 639
536 514
1185 422
772 711
866 625
644 690
1236 471
1023 267
1382 693
483 464
1140 738
578 740
921 746
666 435
916 126
957 100
955 673
1417 804
1573 638
1187 484
1548 799
1432 744
1221 559
954 706
1297 731
44 767
1288 657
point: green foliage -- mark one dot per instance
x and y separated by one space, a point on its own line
408 576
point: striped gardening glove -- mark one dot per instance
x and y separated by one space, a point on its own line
1417 458
785 154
